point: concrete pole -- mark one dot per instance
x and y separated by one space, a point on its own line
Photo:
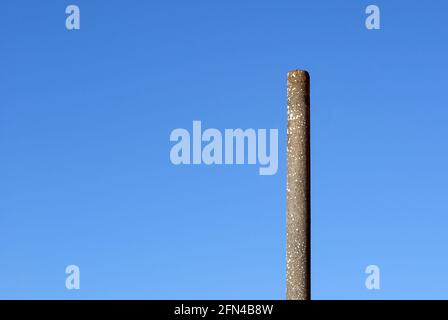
298 225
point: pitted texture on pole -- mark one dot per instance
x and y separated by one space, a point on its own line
298 187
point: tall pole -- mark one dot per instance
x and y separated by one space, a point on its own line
298 224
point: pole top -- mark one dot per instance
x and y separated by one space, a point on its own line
298 75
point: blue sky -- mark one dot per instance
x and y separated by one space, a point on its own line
85 173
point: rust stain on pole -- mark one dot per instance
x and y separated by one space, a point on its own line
298 233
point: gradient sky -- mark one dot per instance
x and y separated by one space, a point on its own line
85 173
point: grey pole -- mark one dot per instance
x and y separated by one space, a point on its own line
298 224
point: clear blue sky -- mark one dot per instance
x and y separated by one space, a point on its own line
85 174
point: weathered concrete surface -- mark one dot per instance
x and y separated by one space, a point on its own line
298 231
